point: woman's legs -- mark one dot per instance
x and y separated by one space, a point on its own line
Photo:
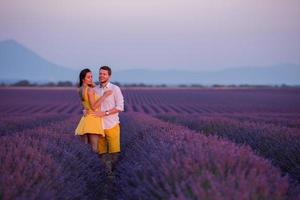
93 140
84 138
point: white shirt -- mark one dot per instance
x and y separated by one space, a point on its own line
115 100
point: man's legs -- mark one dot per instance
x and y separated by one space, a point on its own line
112 141
110 160
102 144
114 160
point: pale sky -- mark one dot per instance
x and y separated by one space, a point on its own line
158 34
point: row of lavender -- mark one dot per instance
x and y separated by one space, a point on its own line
159 160
214 101
42 159
158 101
152 109
10 124
276 137
165 161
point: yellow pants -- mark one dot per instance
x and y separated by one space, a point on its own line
111 141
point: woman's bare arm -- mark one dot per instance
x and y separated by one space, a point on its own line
96 104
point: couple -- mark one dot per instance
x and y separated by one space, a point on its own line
99 126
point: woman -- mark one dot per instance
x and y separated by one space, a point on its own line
90 126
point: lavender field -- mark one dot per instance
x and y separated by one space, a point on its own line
176 144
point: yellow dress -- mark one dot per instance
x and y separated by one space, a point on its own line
89 123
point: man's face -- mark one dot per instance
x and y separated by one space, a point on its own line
103 76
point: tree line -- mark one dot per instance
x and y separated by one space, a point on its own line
26 83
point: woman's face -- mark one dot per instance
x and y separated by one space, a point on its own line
88 79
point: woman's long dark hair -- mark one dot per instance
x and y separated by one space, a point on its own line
82 75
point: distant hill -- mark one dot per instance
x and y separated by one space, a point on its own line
275 75
18 63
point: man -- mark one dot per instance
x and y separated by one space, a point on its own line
110 108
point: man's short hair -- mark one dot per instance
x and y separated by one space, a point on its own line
107 68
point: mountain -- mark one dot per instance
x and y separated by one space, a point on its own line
18 63
273 75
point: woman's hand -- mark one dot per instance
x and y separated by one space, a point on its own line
97 114
93 85
85 112
107 93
